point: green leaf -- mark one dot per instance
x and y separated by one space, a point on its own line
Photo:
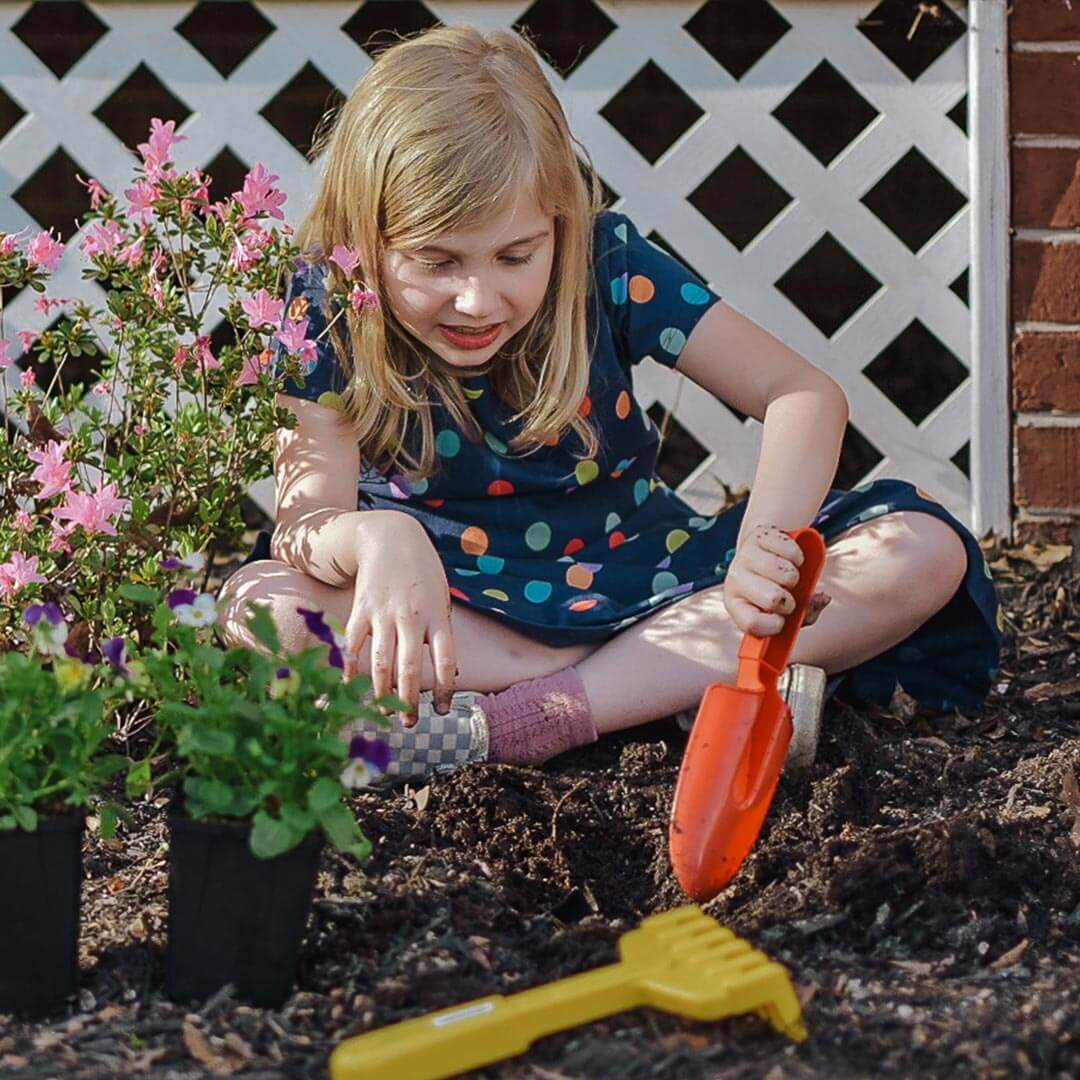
340 826
261 624
215 796
270 836
141 594
301 821
26 817
138 779
108 821
324 794
204 740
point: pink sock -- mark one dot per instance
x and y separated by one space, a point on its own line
532 721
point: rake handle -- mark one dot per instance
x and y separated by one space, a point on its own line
488 1029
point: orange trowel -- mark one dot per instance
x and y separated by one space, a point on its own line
736 750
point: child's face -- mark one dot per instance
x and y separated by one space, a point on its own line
479 279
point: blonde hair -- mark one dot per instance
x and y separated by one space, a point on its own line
433 139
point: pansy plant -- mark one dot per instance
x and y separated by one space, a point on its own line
257 733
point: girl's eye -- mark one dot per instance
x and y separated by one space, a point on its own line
435 267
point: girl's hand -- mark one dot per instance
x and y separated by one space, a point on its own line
402 600
758 583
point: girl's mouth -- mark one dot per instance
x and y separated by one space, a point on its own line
463 339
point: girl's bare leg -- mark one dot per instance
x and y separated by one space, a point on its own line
490 655
886 577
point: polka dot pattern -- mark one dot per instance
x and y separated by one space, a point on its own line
568 549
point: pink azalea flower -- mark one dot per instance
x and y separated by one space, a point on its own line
180 358
60 533
103 239
5 360
28 378
140 197
262 308
248 247
92 512
23 521
97 192
19 571
362 298
45 304
44 251
102 389
206 359
158 150
141 428
27 337
199 197
133 253
292 336
10 241
53 472
253 367
260 195
346 258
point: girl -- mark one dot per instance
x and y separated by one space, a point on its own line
469 486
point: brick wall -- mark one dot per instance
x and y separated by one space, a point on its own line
1044 103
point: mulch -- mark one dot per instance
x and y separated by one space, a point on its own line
922 885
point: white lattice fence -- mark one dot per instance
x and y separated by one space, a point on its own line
809 158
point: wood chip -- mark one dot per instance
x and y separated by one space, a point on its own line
1047 691
916 967
1012 957
1070 792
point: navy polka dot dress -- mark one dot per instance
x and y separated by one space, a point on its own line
570 551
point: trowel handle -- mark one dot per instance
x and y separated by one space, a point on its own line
762 659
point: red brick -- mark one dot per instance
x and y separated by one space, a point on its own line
1046 372
1057 529
1047 466
1044 20
1045 186
1044 93
1045 281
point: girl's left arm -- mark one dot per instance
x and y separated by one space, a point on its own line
804 412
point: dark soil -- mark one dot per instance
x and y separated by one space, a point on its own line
922 886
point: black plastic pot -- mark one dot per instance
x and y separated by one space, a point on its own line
40 887
233 917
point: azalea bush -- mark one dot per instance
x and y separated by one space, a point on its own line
97 484
55 709
259 735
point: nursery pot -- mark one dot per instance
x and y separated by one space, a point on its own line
233 917
40 885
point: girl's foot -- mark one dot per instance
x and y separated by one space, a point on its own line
802 686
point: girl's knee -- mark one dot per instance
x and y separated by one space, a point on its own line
937 557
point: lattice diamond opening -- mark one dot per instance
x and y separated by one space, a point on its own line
376 26
59 33
52 196
128 110
300 105
226 32
739 197
737 35
825 112
566 32
651 112
958 114
828 285
11 112
962 459
227 173
914 199
916 371
680 453
960 287
857 457
912 35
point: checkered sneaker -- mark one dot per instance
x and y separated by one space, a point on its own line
802 686
434 744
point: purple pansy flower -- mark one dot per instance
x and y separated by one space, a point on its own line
115 651
180 596
375 752
319 628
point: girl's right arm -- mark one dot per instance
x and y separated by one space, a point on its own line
400 594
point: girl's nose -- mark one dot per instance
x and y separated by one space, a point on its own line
473 299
